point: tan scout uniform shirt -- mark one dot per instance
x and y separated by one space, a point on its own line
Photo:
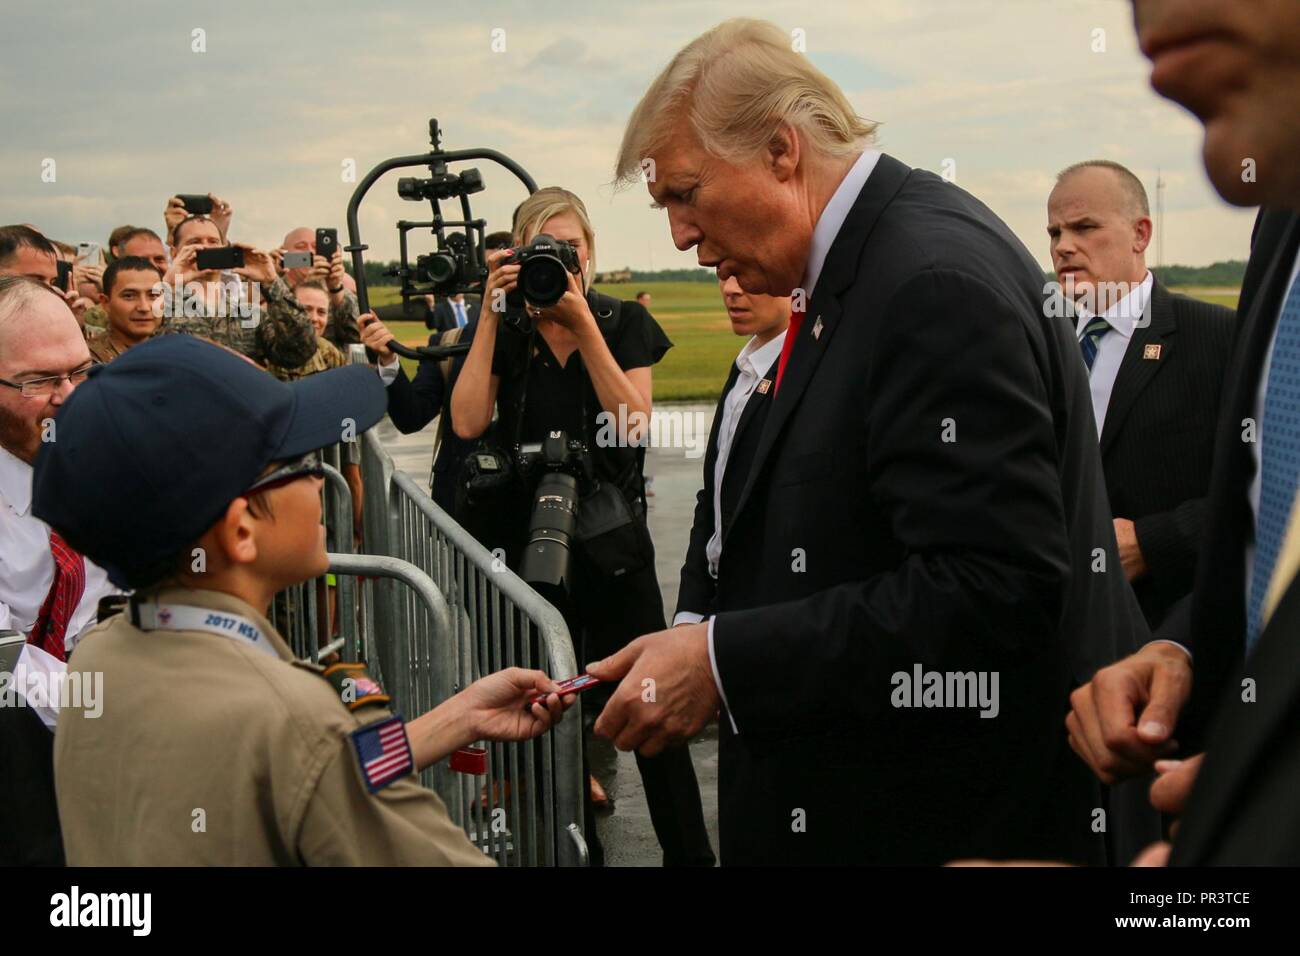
194 721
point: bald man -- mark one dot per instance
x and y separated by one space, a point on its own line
342 329
1156 363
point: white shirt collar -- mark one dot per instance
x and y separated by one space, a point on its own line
1123 315
833 216
15 482
757 359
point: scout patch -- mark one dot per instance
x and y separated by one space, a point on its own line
354 686
383 752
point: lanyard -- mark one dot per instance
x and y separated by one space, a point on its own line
183 617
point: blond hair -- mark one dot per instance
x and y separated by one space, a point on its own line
539 208
738 83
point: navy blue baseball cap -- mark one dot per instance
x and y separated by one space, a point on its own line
151 449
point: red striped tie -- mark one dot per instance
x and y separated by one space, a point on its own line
65 594
796 320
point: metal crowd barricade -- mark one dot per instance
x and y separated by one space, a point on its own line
319 618
527 811
431 610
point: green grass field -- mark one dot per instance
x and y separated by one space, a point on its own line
692 315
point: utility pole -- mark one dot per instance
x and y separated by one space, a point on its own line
1160 220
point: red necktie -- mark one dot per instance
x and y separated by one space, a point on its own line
796 320
65 594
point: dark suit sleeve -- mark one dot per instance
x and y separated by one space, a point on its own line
983 546
412 405
697 591
1176 626
1170 539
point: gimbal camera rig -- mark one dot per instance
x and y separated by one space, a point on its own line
457 264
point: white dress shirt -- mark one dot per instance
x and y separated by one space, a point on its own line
753 361
26 565
1122 317
828 227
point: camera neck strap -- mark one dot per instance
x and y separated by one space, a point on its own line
588 437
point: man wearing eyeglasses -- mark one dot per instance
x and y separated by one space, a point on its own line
43 357
48 592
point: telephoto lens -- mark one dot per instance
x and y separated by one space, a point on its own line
547 555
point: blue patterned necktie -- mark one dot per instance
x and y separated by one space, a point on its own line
1092 333
1279 458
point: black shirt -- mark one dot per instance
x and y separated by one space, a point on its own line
557 395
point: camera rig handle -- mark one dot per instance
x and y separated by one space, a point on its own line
436 160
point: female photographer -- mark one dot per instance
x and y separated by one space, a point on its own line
583 366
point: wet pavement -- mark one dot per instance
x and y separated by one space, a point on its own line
625 831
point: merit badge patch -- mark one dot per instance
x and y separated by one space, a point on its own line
383 752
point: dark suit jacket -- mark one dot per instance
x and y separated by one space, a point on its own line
413 404
1212 622
444 317
927 492
1158 439
1242 810
697 592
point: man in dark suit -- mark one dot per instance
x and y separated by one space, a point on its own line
452 312
737 425
1155 361
913 578
1242 808
413 404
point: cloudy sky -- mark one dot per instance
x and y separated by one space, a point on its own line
285 93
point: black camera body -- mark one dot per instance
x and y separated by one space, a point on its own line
544 267
554 473
449 268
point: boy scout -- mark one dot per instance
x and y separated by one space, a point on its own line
186 472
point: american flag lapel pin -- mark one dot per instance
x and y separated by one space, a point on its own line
817 328
1151 353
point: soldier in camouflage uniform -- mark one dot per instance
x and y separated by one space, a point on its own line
261 320
131 288
342 328
314 300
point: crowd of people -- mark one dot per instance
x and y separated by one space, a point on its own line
980 567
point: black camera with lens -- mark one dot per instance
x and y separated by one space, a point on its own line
555 474
450 267
544 267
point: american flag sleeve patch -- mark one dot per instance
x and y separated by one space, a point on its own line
383 752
